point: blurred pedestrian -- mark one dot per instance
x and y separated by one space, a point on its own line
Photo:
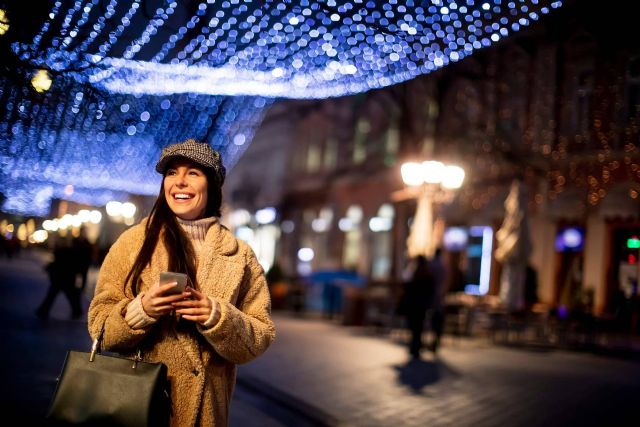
530 288
437 275
222 319
278 285
13 246
331 298
416 299
4 246
83 251
62 278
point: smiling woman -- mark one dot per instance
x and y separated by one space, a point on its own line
185 189
222 318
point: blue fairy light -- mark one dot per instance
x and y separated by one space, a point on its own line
105 152
275 49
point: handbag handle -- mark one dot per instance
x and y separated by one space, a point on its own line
95 348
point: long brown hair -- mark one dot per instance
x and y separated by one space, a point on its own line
162 221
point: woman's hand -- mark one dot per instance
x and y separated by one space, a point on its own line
197 308
156 304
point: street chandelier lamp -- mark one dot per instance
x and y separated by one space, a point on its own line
432 173
429 182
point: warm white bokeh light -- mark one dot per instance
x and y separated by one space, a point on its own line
411 173
114 208
41 81
128 210
453 177
432 171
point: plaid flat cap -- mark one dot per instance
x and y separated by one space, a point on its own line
199 152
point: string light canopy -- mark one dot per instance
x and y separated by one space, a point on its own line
79 144
120 79
293 49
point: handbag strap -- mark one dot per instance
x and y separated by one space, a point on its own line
96 348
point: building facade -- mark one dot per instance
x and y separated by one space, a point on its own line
556 107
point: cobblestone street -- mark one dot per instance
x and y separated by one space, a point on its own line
321 373
363 380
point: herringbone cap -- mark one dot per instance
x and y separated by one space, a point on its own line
199 152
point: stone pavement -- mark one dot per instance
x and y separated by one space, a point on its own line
318 373
360 379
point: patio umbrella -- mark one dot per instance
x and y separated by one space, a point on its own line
423 233
514 248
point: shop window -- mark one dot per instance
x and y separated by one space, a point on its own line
331 153
360 141
314 157
392 144
381 249
350 224
432 109
300 158
316 236
322 223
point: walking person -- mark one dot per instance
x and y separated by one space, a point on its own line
437 275
62 278
222 319
83 250
416 300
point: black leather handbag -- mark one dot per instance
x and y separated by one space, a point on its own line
102 390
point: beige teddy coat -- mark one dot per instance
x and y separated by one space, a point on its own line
201 362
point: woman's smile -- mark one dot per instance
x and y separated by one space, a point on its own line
182 196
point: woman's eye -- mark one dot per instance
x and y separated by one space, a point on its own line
171 172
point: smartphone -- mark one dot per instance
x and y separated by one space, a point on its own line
170 276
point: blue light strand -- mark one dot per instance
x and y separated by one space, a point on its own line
201 41
66 23
173 39
45 28
125 21
151 29
83 20
97 30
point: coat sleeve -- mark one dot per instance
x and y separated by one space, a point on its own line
245 330
110 301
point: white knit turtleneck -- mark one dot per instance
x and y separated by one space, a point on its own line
196 231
